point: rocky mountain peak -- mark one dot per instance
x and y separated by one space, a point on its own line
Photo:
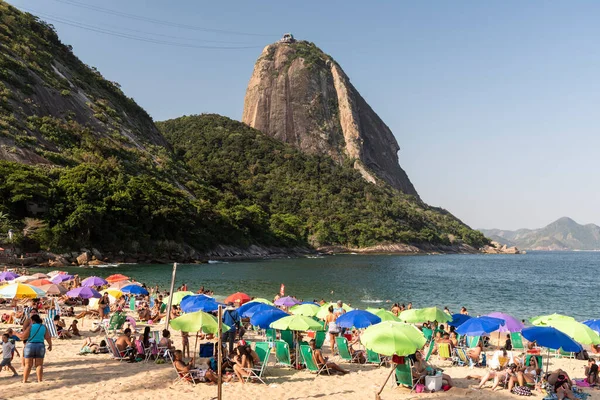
300 95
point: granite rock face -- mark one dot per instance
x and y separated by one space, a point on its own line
301 96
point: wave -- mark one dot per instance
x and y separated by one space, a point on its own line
373 301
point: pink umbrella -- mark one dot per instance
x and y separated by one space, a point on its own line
286 301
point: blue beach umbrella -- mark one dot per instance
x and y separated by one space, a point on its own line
134 289
479 326
594 324
241 309
198 302
459 319
551 338
264 319
358 319
257 308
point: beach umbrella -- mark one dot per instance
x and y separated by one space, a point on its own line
261 300
479 326
39 275
358 319
458 319
122 284
61 278
40 282
93 281
296 323
24 279
286 301
178 296
393 338
117 278
198 302
56 272
576 330
258 307
114 293
197 321
134 289
385 315
249 304
264 319
8 276
416 315
550 338
511 324
54 289
84 293
19 290
324 309
239 298
543 319
308 310
594 324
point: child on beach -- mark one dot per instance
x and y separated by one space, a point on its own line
185 344
7 354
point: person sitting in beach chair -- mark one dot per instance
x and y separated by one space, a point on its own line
527 374
474 354
591 372
63 333
421 367
165 342
125 344
188 372
244 362
323 361
500 377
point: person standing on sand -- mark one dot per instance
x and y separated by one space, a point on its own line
332 328
7 353
35 351
103 304
231 319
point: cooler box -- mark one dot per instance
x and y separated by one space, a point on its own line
433 383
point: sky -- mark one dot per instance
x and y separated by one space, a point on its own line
495 105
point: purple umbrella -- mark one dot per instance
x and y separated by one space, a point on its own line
511 324
8 276
286 301
84 293
61 278
93 281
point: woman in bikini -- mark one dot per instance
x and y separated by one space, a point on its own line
528 373
243 363
332 328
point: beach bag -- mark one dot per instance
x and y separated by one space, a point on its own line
419 388
522 391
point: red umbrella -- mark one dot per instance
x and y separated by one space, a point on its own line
40 282
238 297
117 278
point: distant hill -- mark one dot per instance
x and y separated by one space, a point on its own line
562 234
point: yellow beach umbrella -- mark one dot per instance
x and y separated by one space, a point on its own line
178 296
116 293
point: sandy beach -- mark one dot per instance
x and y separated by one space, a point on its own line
68 375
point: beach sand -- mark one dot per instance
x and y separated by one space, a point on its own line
68 375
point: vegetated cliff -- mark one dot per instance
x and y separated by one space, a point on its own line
301 96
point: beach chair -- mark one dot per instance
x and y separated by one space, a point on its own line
146 352
461 357
271 335
258 371
288 337
115 323
472 341
428 333
49 323
560 353
444 351
320 338
374 358
282 353
517 341
309 361
430 351
344 350
404 376
114 351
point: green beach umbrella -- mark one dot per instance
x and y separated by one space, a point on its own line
297 323
393 338
261 300
197 321
178 296
384 314
308 310
424 315
579 332
324 309
543 319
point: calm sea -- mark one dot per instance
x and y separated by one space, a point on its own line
522 285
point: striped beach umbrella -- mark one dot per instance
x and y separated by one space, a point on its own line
21 291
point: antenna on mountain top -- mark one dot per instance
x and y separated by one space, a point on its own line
287 38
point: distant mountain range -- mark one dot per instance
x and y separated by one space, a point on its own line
562 234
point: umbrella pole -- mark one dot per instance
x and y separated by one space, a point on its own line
170 304
220 355
377 395
195 345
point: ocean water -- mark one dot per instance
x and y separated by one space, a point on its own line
522 285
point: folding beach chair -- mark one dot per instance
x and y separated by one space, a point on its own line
560 353
461 357
472 341
320 338
309 361
115 323
288 337
344 350
517 341
404 376
258 371
146 352
430 351
374 358
115 352
282 353
444 351
49 323
271 335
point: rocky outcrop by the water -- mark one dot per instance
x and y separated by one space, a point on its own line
401 248
497 248
301 96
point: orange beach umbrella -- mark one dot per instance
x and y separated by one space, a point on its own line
40 282
117 278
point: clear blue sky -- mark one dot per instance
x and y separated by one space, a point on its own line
495 104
